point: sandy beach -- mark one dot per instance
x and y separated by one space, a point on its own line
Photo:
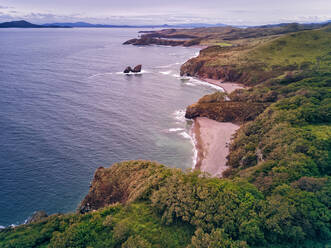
227 86
212 139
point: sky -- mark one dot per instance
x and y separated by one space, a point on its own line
139 12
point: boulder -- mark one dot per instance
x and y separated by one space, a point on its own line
128 69
36 217
137 68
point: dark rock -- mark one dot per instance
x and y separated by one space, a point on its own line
128 69
36 217
129 42
137 68
144 41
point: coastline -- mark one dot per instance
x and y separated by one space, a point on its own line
212 138
228 87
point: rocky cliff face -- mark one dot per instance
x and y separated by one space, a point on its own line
121 183
199 68
225 111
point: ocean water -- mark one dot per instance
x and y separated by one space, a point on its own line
66 109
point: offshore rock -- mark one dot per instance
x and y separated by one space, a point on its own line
128 69
137 68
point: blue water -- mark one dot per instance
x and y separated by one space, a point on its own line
66 109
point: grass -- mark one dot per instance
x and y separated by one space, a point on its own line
320 131
223 44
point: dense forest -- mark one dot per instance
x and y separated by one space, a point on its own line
276 192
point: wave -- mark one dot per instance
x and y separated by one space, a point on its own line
185 135
165 72
191 81
194 144
100 74
180 115
132 73
171 130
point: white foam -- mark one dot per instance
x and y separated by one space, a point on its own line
194 144
194 81
2 227
165 72
100 74
132 73
179 115
185 135
175 129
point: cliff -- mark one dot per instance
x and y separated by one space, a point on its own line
121 183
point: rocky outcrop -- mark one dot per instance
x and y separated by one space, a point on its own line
137 68
144 41
128 69
168 34
226 111
197 67
121 183
36 217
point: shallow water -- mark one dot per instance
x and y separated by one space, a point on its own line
66 108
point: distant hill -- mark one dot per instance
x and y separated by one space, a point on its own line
25 24
90 25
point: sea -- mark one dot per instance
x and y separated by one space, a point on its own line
67 108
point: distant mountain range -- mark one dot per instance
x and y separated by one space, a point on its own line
90 25
25 24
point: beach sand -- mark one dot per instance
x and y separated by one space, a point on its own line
227 86
212 141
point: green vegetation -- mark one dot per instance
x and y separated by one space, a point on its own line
188 209
134 225
257 60
223 44
276 192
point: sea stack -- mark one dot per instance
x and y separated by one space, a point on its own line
136 69
128 69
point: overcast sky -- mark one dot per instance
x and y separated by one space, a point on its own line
236 12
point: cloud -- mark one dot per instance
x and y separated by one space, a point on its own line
171 12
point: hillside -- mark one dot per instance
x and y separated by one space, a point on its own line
277 189
221 36
25 24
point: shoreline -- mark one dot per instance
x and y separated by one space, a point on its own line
228 87
212 138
